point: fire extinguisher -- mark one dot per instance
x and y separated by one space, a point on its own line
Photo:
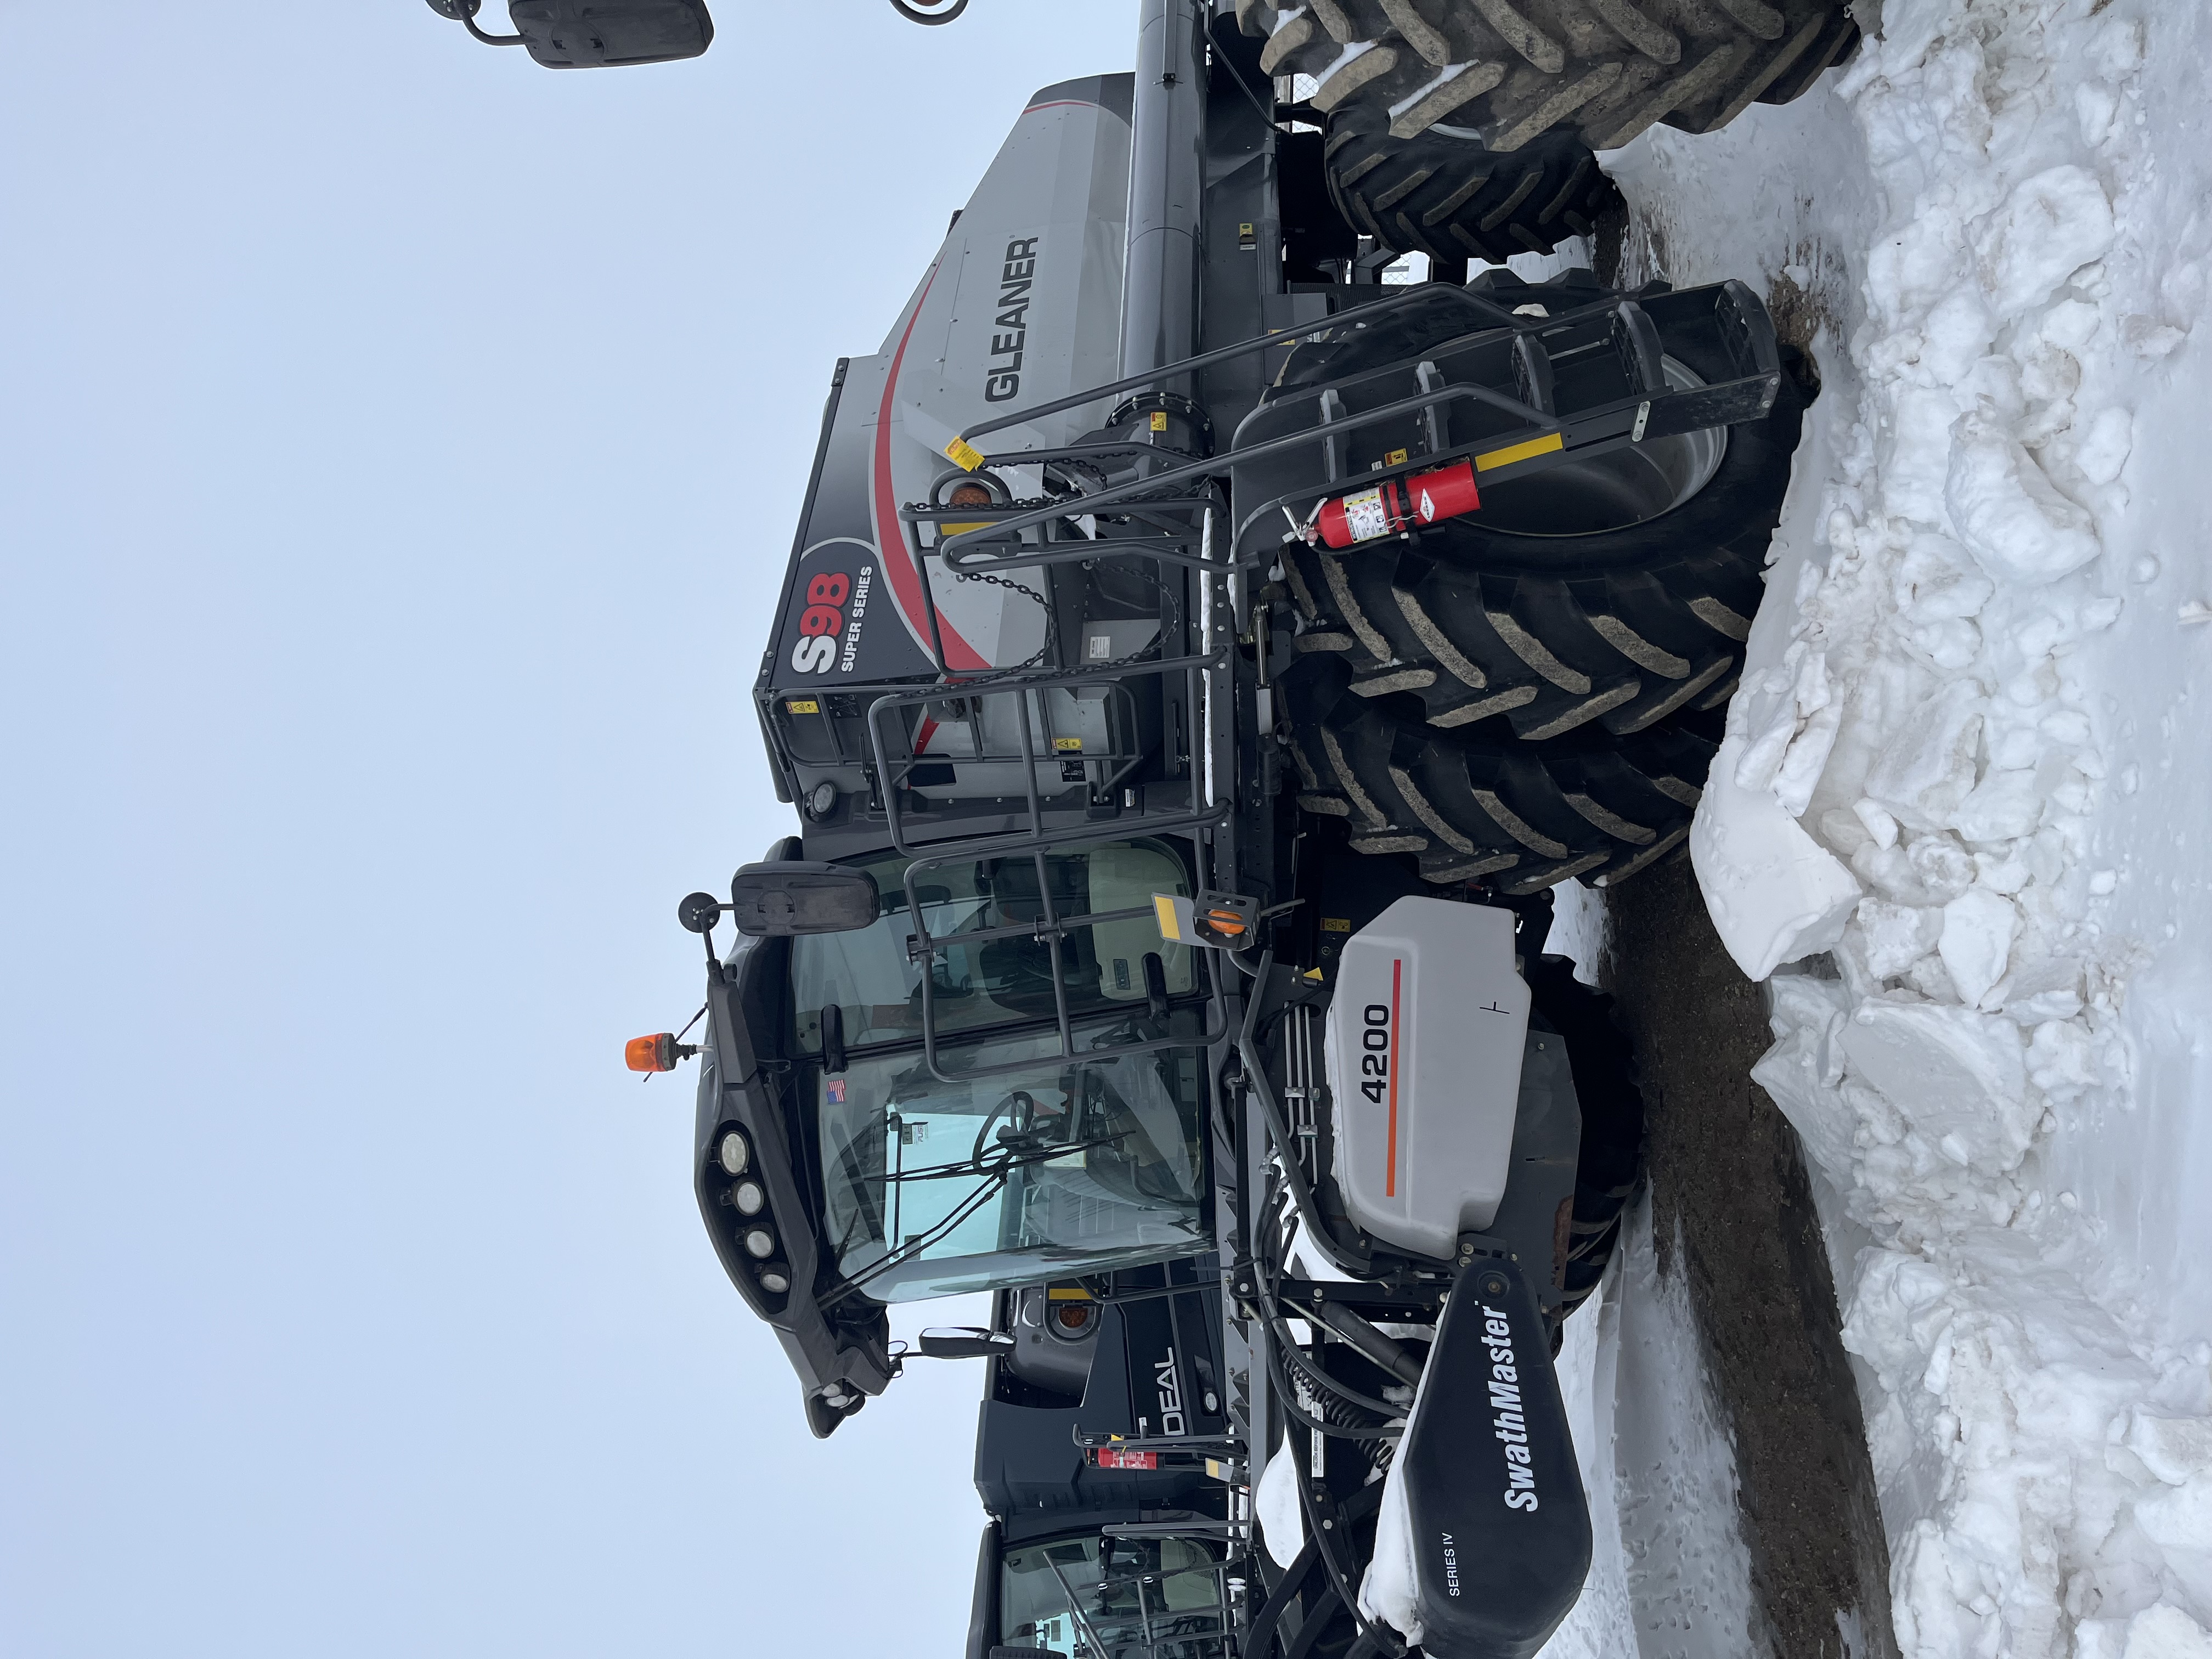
1391 506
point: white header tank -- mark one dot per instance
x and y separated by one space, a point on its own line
1425 1042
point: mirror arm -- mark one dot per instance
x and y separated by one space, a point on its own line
464 12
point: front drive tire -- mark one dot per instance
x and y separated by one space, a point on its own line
1509 70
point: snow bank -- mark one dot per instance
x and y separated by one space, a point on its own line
1912 802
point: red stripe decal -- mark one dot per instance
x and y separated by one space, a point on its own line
924 733
1062 103
1390 1167
904 570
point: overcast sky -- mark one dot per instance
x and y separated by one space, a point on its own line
399 445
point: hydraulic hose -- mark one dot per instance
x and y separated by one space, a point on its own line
1279 1128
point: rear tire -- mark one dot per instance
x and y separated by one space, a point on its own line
1610 1166
1478 805
1507 71
1443 194
1623 627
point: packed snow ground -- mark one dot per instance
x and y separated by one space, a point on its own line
1959 815
1670 1577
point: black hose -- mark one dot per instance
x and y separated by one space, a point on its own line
1279 1128
1347 1590
1296 1413
1270 1305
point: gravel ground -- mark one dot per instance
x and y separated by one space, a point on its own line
1733 1216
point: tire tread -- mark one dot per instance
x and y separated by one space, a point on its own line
1603 69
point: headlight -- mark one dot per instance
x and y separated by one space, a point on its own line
734 1153
760 1244
775 1282
748 1197
1073 1320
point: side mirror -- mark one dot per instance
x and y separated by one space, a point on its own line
963 1342
775 901
575 35
595 34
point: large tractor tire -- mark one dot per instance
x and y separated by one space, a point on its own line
1479 805
1508 70
1555 605
1442 193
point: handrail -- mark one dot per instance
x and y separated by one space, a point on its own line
1482 304
1034 841
950 548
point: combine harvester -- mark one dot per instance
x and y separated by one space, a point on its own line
1196 663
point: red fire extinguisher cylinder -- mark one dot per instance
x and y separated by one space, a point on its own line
1367 515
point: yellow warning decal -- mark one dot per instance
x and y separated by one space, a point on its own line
1336 924
1312 973
963 454
1068 745
1067 1293
1498 457
802 706
1395 458
1159 420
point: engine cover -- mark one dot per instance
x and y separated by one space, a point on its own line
1424 1056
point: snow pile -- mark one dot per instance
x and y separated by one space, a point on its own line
1913 804
1388 1592
1275 1506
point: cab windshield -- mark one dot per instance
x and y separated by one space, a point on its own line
1061 1167
1108 1598
934 1188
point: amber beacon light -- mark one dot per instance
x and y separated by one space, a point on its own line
657 1052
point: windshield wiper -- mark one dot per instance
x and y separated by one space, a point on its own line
996 1173
987 1165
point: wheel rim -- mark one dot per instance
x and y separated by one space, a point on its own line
1617 490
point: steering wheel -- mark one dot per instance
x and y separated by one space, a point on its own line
1019 1108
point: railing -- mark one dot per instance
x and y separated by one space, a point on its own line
892 745
1513 348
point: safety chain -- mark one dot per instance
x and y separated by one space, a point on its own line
1051 627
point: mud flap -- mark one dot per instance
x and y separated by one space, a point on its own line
1501 1528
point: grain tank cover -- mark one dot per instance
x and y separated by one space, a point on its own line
1424 1044
1021 306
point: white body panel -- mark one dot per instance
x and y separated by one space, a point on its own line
985 334
1423 1052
